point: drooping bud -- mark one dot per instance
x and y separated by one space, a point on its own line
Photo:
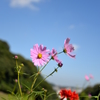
60 64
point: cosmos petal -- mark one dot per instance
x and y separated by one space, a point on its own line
72 56
66 42
35 47
70 48
44 48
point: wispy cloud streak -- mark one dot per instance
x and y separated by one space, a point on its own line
76 47
71 27
24 3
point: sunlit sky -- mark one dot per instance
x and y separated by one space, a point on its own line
24 23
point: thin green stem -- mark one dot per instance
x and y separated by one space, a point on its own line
14 88
51 95
45 65
60 52
17 65
34 81
84 84
41 82
46 77
19 84
49 61
18 78
45 95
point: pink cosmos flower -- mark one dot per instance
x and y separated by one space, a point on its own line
39 55
86 77
91 76
68 48
54 55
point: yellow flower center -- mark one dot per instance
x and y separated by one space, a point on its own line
65 51
39 55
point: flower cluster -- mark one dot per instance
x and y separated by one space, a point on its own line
40 55
68 94
88 77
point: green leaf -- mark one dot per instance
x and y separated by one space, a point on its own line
50 95
32 75
26 86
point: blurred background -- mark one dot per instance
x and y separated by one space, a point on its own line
24 23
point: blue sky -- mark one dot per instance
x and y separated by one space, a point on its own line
24 23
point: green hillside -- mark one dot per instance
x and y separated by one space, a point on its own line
8 73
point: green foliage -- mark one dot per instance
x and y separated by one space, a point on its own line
87 90
8 73
94 91
84 96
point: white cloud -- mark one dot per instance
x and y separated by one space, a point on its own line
75 47
24 3
71 27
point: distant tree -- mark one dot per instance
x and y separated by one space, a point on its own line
94 91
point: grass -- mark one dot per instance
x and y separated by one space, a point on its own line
4 96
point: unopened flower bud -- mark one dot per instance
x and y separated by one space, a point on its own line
16 80
22 64
43 89
16 57
60 64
